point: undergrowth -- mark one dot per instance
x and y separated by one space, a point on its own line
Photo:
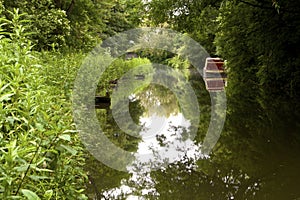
41 154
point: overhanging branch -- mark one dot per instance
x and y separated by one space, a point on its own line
256 5
71 6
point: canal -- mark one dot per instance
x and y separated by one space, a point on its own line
246 163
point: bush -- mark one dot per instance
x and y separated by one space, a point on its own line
50 24
41 155
116 70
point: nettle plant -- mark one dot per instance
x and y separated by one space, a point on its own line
41 155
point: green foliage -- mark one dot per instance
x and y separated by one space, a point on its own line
156 55
86 22
197 18
261 47
77 24
41 156
30 195
116 70
260 44
260 41
101 177
49 25
178 63
122 15
51 28
94 20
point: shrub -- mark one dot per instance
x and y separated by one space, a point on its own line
49 23
41 155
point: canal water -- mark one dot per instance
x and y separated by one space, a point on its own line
168 160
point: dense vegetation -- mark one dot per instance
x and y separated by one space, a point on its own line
260 41
61 23
42 44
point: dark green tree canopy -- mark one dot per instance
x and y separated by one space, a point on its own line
76 23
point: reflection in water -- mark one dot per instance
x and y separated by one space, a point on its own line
256 166
164 140
165 136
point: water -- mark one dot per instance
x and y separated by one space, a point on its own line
169 163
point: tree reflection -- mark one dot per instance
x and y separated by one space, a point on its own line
204 180
188 179
244 164
154 98
101 177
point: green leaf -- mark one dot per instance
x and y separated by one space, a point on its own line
30 195
21 168
37 178
48 194
70 131
69 149
6 97
4 87
40 127
65 137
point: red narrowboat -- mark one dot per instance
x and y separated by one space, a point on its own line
214 74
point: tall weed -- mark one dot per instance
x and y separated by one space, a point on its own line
41 155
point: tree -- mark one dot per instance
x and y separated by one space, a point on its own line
261 47
197 18
76 23
49 24
260 42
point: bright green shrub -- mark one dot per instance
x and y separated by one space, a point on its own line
178 63
116 70
49 23
41 155
52 27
